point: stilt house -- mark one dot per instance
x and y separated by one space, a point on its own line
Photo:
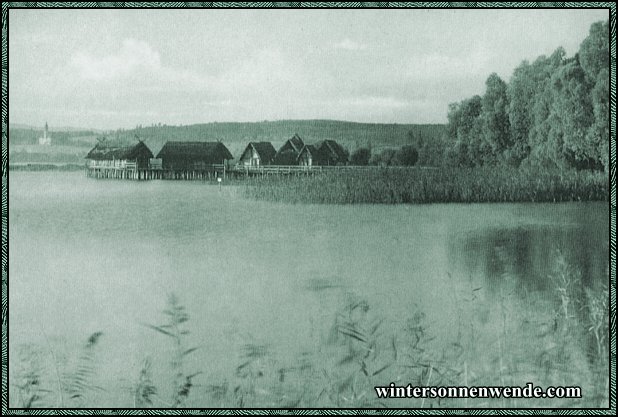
332 153
289 151
193 156
324 153
109 155
310 155
257 154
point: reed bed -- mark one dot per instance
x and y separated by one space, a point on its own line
428 185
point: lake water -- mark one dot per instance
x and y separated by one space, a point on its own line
91 255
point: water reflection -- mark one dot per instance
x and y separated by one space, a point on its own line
525 257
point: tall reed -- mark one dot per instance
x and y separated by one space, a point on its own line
78 382
70 379
173 328
562 343
424 185
144 389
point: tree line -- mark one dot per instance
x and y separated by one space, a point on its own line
421 150
553 113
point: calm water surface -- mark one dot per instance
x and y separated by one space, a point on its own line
88 255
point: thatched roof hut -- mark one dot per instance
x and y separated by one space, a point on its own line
326 152
258 153
289 151
193 155
332 152
310 155
109 151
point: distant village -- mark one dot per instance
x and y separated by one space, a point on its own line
201 160
180 158
45 140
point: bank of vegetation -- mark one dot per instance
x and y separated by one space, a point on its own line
543 136
430 185
563 341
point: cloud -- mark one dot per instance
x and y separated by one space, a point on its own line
259 71
133 55
267 75
375 102
349 45
438 66
136 81
137 67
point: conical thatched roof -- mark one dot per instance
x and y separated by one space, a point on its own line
207 152
289 151
265 150
332 151
312 150
110 151
296 142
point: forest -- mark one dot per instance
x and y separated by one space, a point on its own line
553 113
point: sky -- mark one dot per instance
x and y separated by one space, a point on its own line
109 69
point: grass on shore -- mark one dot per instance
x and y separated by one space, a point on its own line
35 166
422 185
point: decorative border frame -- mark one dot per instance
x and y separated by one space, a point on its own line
309 411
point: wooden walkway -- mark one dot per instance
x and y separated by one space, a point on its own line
290 169
310 170
131 172
253 171
220 171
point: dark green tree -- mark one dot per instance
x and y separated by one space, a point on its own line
598 134
594 59
496 127
545 151
406 156
360 156
384 158
521 91
594 51
573 114
463 131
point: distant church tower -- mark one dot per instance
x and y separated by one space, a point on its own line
46 139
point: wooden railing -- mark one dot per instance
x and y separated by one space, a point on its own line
130 170
281 169
133 166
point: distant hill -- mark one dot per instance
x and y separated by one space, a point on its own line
30 136
23 126
235 135
52 128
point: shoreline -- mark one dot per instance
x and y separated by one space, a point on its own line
409 187
44 166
